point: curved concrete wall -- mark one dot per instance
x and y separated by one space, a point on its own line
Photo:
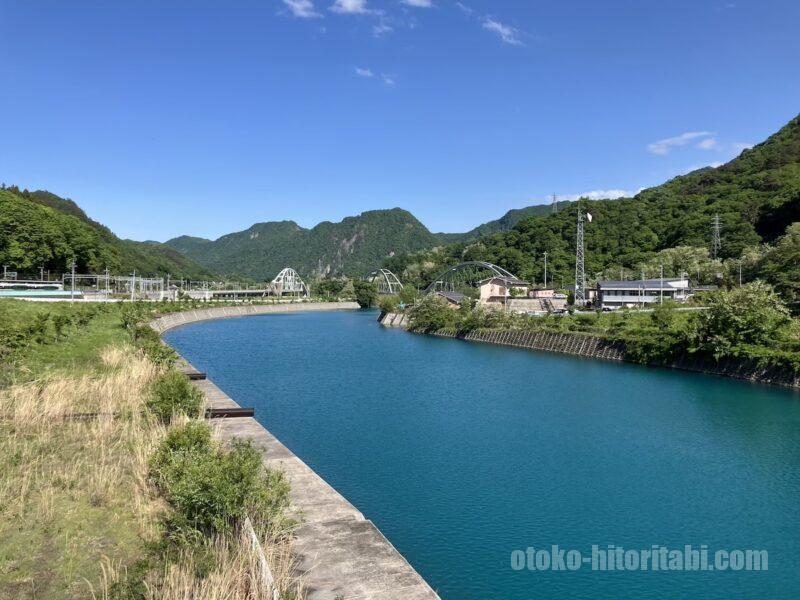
177 319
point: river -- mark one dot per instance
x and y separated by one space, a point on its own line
462 453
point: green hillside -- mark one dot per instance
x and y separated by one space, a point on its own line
504 223
353 246
40 229
757 196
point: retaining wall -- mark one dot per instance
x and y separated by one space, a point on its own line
579 344
177 319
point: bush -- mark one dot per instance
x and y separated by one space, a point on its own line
366 293
389 304
171 393
211 487
148 340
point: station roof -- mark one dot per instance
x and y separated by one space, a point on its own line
641 283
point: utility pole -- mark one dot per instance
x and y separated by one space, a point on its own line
580 274
133 284
716 242
545 269
740 272
72 292
41 273
661 288
106 273
5 271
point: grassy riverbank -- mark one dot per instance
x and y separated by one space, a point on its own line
111 485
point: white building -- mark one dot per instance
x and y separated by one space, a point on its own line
641 293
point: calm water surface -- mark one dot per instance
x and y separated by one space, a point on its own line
461 453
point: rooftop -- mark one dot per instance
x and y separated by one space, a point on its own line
505 280
641 283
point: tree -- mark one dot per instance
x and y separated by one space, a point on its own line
366 293
329 287
431 314
780 265
751 314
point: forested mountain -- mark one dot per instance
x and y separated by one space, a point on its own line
40 229
504 223
756 195
353 246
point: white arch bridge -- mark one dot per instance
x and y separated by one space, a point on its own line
386 281
288 282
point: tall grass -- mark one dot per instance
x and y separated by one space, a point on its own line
77 505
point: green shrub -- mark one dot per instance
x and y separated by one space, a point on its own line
212 487
389 304
171 393
148 340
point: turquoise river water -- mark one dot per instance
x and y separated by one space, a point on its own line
463 453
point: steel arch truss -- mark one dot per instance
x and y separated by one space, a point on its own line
289 282
387 282
466 274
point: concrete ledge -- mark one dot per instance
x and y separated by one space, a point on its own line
176 319
339 552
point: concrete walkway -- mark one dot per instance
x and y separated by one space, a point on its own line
339 552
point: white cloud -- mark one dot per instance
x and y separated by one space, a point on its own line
665 145
381 28
364 72
388 79
350 7
707 144
601 195
508 34
465 9
418 3
303 9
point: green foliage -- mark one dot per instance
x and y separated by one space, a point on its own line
353 247
780 266
211 487
431 314
172 394
389 304
39 229
750 315
329 287
756 195
366 293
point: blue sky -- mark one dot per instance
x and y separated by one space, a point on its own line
199 117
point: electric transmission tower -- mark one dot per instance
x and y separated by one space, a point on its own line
580 275
555 203
716 243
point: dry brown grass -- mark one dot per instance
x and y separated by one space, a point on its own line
76 503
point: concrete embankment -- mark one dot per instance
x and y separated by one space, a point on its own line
177 319
339 553
581 344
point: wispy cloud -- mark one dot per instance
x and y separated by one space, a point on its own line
465 9
664 146
361 72
302 9
418 3
381 28
508 34
388 79
707 144
350 7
